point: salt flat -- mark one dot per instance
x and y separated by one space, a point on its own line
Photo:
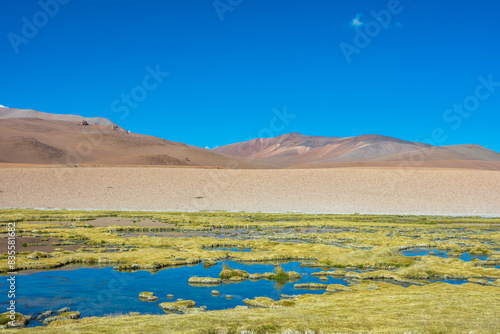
339 190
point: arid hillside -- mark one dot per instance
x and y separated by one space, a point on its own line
56 142
8 113
299 151
38 138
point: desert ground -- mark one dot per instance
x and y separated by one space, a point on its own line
340 190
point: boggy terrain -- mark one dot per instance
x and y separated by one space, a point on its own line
392 274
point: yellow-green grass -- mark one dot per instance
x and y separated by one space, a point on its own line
237 218
360 241
369 241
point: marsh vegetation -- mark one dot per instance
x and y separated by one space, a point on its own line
321 267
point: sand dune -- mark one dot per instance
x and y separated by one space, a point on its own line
343 190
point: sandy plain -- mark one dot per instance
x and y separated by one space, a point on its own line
340 190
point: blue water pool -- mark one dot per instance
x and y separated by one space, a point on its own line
440 253
102 291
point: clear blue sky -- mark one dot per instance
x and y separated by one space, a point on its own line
226 76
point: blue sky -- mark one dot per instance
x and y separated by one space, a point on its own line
225 69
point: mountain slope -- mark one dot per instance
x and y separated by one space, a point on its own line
9 113
33 137
295 149
49 141
452 152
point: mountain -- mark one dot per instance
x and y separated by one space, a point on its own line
9 113
65 140
34 137
295 149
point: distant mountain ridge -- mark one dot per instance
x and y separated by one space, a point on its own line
9 113
297 149
33 137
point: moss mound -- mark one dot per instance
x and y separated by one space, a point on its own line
265 302
19 319
148 296
233 274
177 306
63 316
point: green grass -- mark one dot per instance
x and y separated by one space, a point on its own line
280 275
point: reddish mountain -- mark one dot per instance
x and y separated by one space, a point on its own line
296 149
33 137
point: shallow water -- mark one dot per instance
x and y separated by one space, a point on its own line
229 249
444 254
101 291
278 233
423 252
455 281
469 257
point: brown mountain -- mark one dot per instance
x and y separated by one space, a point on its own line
33 137
9 113
297 150
64 140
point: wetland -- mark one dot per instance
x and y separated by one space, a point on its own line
94 264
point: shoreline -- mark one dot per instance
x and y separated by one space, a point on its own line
264 212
